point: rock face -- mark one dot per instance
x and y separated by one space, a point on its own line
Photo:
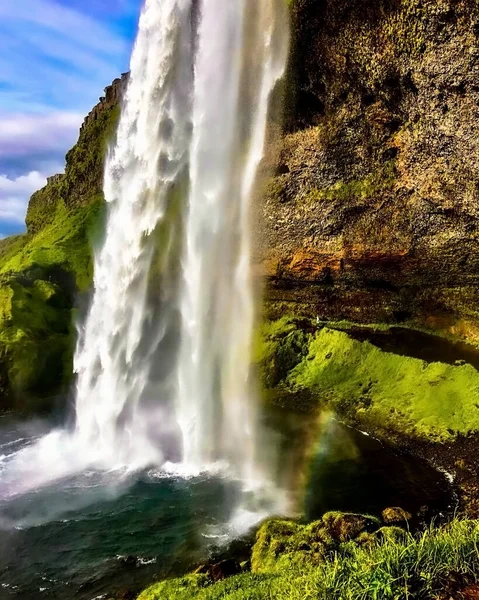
83 178
373 214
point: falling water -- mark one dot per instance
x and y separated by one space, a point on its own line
163 356
117 347
192 132
240 58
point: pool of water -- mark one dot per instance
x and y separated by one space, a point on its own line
350 471
95 533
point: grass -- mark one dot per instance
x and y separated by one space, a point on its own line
393 567
379 390
62 243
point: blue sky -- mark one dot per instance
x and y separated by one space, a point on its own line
56 56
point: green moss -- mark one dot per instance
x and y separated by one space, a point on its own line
277 541
36 341
281 543
173 589
279 347
10 246
40 275
372 185
428 401
304 362
63 243
43 204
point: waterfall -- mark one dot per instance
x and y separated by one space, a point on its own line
241 55
190 140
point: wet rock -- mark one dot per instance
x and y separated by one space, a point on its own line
221 570
395 515
343 527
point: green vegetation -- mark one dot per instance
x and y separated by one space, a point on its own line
364 189
280 346
43 271
64 243
40 275
387 564
378 390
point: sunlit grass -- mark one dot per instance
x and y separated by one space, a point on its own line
398 567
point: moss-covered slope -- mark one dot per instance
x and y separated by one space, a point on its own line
44 272
307 365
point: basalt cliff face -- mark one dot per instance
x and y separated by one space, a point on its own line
373 215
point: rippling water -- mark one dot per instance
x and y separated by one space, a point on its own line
101 531
96 533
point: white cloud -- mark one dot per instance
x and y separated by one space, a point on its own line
15 193
24 134
55 55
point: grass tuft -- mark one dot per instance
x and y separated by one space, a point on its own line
394 567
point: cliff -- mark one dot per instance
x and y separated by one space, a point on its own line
373 214
83 177
45 273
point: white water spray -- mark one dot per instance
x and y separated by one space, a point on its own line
164 369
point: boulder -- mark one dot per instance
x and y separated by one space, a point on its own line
395 515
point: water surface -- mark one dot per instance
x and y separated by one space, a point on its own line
95 533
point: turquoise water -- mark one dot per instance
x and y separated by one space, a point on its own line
100 533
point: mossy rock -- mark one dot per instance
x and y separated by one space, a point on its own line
280 542
281 345
394 515
344 527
